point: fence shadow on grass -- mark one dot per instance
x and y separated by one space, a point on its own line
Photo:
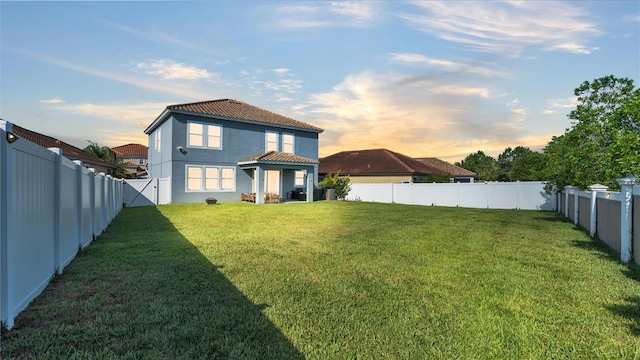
142 290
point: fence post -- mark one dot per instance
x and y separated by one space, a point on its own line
567 189
595 189
626 207
6 271
57 209
576 206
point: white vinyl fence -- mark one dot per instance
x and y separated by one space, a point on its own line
50 207
529 195
612 217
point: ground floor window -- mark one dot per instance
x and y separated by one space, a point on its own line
210 178
299 178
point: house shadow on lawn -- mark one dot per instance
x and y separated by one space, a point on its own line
142 290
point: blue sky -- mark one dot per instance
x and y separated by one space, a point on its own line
423 78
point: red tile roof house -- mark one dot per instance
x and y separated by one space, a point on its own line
134 158
232 151
385 166
69 151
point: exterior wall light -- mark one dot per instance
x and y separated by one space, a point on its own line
11 138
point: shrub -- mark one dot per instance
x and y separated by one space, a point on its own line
337 182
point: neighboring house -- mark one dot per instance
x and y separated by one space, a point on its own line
69 151
228 149
457 173
381 166
134 159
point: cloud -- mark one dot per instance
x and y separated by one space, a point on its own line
55 100
446 65
564 105
118 77
506 27
169 69
429 117
513 102
327 14
141 113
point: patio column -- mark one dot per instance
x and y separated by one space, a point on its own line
626 207
595 189
259 185
309 188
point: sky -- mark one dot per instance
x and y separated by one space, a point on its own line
422 78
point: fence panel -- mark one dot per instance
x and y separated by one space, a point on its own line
69 196
636 224
584 210
402 193
608 220
446 194
474 195
87 190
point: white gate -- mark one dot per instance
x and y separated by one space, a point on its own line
147 192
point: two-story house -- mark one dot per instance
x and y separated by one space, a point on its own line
226 148
134 159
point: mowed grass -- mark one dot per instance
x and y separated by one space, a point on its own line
335 280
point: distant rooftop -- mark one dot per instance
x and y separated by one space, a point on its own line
134 150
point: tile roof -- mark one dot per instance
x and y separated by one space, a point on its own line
445 166
68 151
278 157
136 150
374 162
229 108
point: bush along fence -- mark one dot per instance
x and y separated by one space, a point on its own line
527 195
609 216
50 207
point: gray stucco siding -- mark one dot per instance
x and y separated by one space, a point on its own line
159 162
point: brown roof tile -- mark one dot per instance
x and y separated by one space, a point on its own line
136 150
374 162
278 157
445 166
234 109
68 151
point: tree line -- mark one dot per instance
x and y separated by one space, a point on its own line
602 144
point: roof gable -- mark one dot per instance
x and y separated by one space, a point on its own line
230 109
68 151
445 166
131 150
374 162
276 157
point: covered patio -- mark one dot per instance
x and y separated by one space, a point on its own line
280 177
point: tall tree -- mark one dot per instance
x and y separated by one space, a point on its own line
520 164
483 165
105 153
604 142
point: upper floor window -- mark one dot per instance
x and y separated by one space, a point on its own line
157 139
288 143
271 140
205 136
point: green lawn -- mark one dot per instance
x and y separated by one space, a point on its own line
334 280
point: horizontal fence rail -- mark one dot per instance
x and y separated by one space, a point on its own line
50 207
612 217
528 195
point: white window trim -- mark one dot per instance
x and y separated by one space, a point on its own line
293 143
295 178
203 179
205 136
266 140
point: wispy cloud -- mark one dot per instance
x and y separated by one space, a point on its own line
328 14
169 69
125 78
445 65
140 113
55 100
561 105
506 27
